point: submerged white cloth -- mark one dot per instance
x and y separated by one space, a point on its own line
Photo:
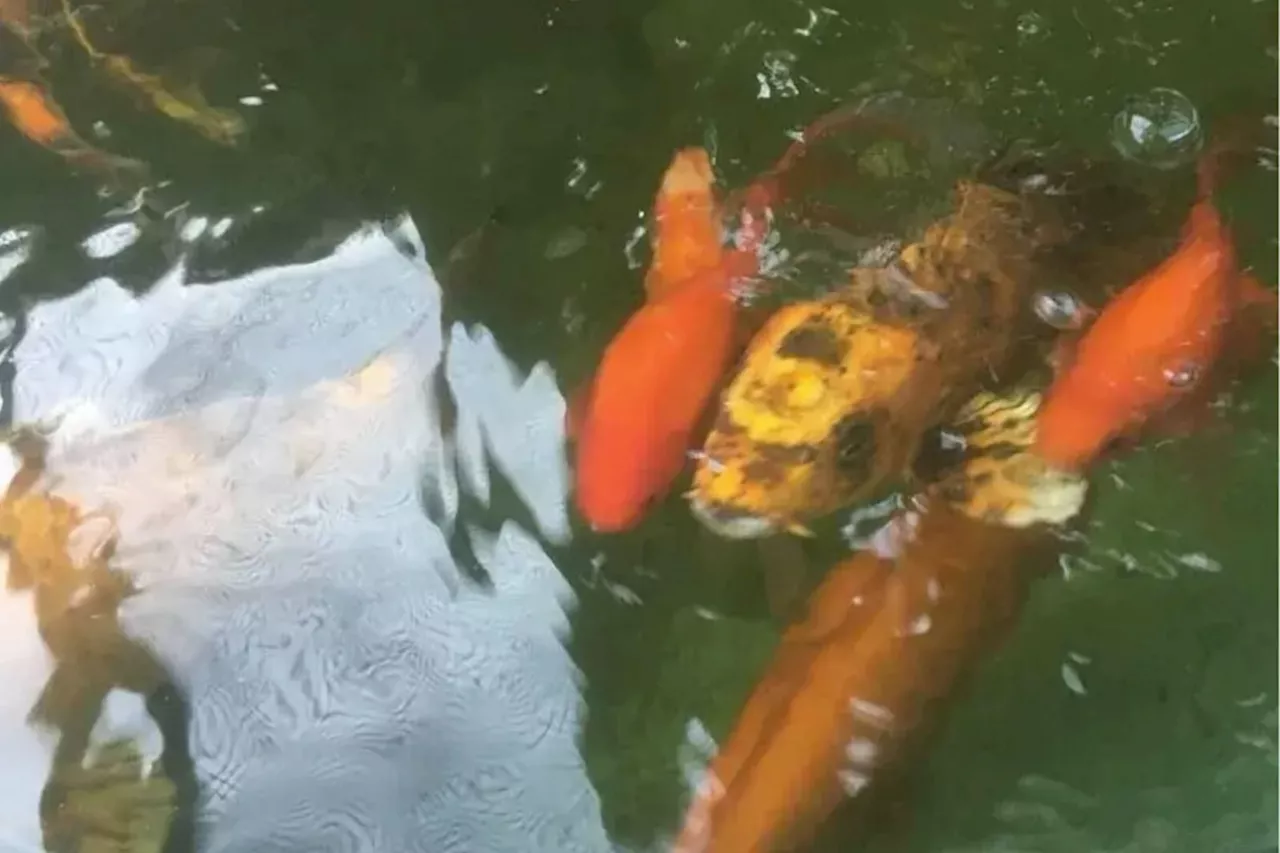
272 451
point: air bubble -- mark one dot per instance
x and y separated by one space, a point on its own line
1032 26
1183 376
1058 309
1160 128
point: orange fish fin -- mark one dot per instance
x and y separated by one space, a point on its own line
1254 294
1251 329
1191 415
575 410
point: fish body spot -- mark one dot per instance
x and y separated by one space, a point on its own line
813 341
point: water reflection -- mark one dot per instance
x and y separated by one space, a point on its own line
272 453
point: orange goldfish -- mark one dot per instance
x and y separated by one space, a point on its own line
635 420
1156 343
38 117
649 393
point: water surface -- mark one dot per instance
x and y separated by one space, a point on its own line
328 420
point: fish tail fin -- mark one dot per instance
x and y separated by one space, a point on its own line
1237 134
768 189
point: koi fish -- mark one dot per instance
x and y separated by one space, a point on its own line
183 103
34 113
836 395
1155 345
854 689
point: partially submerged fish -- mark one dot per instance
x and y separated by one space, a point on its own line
1158 343
181 102
835 395
650 391
635 422
32 110
855 687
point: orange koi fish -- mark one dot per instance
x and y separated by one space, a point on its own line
39 118
1156 344
854 688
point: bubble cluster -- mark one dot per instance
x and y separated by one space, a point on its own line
1159 128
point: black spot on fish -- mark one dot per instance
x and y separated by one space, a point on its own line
813 341
771 462
981 478
786 454
762 472
855 438
1002 451
939 456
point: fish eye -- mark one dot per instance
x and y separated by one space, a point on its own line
1183 376
855 439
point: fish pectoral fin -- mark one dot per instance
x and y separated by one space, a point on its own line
575 410
1254 294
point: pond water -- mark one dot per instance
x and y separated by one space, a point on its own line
321 389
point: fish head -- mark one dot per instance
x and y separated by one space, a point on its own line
809 422
688 174
686 233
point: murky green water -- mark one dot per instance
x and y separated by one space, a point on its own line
1135 710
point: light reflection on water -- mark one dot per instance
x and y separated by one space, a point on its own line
267 447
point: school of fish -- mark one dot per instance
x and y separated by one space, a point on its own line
838 398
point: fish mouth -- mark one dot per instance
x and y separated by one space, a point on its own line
731 523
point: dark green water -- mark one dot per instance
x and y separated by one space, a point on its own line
547 127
